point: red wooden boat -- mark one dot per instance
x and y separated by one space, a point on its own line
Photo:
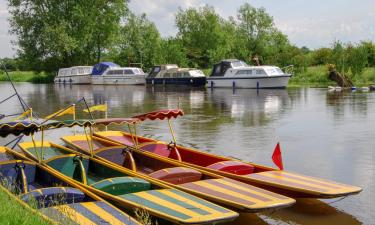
279 181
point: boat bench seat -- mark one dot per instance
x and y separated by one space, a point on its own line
53 196
233 167
122 185
177 175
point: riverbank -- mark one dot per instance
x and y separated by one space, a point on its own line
315 76
28 76
12 212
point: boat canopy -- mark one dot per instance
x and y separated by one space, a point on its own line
219 69
67 123
160 114
17 128
101 67
116 121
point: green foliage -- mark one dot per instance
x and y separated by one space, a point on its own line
53 34
174 52
321 56
12 212
139 42
316 76
202 32
28 76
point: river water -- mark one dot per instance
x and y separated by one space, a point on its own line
323 134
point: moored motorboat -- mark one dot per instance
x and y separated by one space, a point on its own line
106 73
74 75
234 73
172 74
215 188
279 181
123 187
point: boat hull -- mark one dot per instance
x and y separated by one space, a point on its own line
191 81
249 82
81 79
119 80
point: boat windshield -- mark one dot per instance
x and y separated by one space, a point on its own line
239 64
274 71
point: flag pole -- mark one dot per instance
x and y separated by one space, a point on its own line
106 113
74 118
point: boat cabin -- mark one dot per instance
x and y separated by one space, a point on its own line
73 74
173 71
117 71
236 67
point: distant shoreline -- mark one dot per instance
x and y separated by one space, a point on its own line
315 77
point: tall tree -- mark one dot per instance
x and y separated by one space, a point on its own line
202 32
139 42
257 35
52 33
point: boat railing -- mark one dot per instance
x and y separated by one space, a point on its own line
288 69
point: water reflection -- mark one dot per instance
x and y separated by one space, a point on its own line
328 135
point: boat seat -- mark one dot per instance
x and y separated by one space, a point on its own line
177 175
161 149
52 196
234 167
122 185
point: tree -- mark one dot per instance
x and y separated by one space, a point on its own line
203 34
139 42
174 52
257 35
52 34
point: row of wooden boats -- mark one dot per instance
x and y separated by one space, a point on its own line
170 182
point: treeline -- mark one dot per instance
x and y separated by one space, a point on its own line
54 34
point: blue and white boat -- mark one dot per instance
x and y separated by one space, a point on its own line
111 73
172 74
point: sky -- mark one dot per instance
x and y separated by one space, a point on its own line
313 24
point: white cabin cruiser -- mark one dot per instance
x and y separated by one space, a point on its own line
110 73
74 75
237 74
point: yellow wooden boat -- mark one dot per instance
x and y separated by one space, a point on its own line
279 181
125 188
215 188
62 201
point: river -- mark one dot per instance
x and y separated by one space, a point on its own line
324 134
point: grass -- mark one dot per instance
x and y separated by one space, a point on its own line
317 76
27 76
13 212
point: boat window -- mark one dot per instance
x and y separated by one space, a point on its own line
81 71
244 72
128 71
74 71
156 69
238 64
186 74
178 75
167 75
259 71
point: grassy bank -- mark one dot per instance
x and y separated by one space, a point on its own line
12 212
317 76
27 76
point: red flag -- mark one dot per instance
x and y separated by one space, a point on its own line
276 157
